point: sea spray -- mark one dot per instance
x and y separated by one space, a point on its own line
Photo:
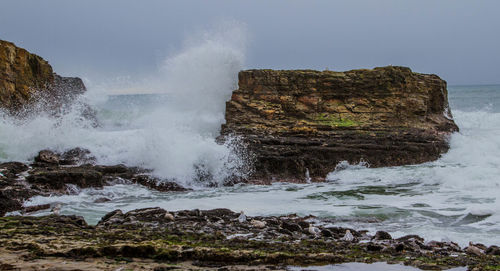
175 138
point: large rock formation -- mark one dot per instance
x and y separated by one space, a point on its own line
26 78
302 120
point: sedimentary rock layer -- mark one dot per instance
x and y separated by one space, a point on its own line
303 120
26 78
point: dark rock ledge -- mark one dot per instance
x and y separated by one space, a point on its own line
154 239
53 173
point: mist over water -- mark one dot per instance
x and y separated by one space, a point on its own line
173 131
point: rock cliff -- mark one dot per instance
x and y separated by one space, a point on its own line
303 120
26 78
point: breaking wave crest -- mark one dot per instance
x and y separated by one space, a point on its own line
173 132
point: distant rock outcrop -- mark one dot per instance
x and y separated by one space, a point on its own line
26 78
303 120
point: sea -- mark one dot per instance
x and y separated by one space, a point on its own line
173 129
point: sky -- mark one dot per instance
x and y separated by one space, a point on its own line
459 40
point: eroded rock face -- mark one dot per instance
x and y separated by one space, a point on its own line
21 73
302 120
26 78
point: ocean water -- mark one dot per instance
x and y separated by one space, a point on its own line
454 198
173 132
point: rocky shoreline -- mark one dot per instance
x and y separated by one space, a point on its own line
155 239
54 173
298 125
191 239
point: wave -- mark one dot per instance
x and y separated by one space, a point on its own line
175 138
463 182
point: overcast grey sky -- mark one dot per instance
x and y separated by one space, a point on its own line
457 39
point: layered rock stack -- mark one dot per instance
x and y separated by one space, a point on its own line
303 120
26 78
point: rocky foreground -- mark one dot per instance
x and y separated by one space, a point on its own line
154 239
298 121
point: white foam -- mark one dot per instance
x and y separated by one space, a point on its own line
170 138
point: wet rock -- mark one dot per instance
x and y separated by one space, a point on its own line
101 200
136 217
373 247
8 203
59 178
340 232
156 184
113 217
77 156
493 250
285 231
118 171
67 173
382 235
6 267
443 246
47 156
11 169
220 212
291 226
326 233
411 237
36 208
147 214
479 245
303 224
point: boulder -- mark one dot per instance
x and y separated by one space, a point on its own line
77 156
48 157
298 121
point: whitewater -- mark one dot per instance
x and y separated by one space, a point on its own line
172 130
